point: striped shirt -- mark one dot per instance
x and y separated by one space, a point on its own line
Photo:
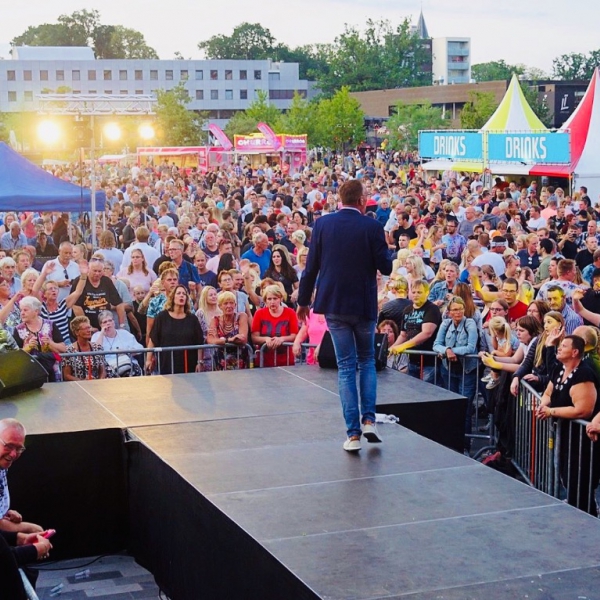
60 317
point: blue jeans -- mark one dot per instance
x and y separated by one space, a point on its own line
429 373
354 342
465 386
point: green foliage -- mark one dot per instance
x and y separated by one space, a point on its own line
478 110
244 122
176 125
300 118
4 127
250 41
406 122
539 106
495 70
382 57
576 65
83 28
340 121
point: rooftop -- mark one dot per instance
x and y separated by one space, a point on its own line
52 53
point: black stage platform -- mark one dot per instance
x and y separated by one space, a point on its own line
235 486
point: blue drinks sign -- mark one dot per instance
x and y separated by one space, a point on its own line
541 148
458 145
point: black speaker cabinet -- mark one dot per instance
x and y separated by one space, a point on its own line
20 372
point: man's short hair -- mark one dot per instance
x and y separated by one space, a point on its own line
420 283
351 192
556 288
547 245
511 281
142 234
565 265
578 344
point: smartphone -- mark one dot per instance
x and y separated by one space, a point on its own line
48 534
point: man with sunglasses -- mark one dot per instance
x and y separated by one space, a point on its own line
12 439
65 271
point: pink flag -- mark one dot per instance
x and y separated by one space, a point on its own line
269 135
220 136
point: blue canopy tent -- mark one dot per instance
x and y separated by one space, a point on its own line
23 186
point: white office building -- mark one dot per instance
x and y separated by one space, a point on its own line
221 87
451 60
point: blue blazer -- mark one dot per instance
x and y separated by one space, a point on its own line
346 251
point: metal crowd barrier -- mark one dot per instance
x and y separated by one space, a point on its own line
284 351
209 362
488 435
555 455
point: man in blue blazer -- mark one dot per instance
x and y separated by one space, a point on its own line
346 251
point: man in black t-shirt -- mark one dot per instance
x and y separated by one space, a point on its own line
420 323
98 294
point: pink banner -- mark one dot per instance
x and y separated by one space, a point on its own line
220 136
269 135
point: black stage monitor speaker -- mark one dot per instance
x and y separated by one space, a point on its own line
20 372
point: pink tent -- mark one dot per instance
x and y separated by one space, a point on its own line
584 126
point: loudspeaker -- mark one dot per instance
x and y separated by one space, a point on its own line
327 358
20 372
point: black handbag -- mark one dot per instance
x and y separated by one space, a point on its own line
327 360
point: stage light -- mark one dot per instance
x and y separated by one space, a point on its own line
49 132
146 131
112 131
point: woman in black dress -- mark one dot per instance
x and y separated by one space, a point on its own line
176 325
281 270
571 394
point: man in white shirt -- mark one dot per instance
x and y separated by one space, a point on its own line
65 270
535 219
141 243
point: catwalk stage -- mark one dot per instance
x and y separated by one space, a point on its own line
235 486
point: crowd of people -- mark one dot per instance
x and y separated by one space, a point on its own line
488 283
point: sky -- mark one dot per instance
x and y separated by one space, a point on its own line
533 32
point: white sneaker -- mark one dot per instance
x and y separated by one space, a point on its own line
370 432
352 445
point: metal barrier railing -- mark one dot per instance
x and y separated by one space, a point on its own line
283 352
214 358
460 382
555 455
534 443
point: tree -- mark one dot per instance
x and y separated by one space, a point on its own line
301 117
495 70
576 66
176 125
250 41
539 106
477 111
340 121
245 122
383 57
83 28
408 119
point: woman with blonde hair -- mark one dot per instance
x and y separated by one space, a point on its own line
415 268
434 237
208 307
399 263
229 327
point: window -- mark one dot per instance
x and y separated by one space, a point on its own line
27 76
122 75
138 75
123 92
60 75
283 94
228 94
214 94
76 75
199 74
244 74
153 74
228 74
43 75
257 74
12 96
11 75
108 92
169 74
199 94
274 76
243 94
28 96
76 92
214 74
184 75
139 92
92 92
92 76
107 75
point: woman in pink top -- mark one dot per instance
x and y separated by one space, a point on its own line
313 329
